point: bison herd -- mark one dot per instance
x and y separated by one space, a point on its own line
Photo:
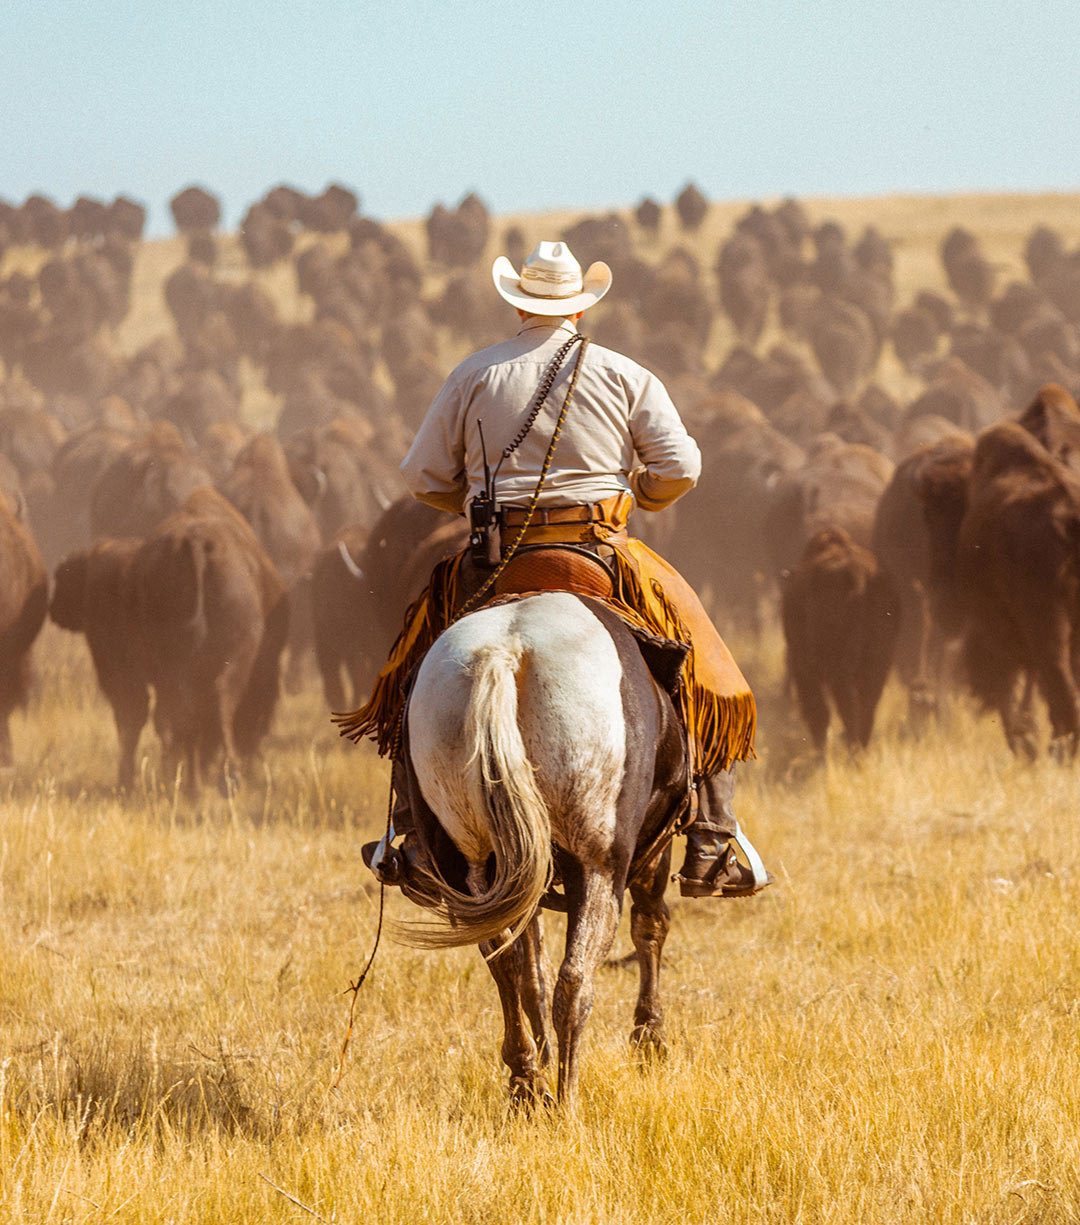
203 559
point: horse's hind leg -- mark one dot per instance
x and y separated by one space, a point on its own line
535 979
649 923
515 977
593 916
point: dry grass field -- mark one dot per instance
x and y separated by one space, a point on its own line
890 1035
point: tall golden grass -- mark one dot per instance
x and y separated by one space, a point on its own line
889 1035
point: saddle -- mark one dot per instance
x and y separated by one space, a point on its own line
556 568
581 571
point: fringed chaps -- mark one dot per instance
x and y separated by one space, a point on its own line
714 700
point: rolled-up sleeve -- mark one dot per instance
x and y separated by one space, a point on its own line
434 469
670 457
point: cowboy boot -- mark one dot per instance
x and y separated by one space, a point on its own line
712 868
392 866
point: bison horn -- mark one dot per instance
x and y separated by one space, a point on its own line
350 565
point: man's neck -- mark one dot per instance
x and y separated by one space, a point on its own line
547 321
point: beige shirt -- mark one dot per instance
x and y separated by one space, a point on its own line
622 432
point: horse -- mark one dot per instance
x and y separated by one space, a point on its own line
548 754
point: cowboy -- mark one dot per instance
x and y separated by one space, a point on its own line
622 445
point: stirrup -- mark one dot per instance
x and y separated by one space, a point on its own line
378 856
761 874
755 876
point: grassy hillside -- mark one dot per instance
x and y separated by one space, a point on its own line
887 1036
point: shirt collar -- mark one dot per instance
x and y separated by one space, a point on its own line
553 322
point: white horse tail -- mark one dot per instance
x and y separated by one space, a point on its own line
496 799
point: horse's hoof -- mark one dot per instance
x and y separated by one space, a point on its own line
1063 749
527 1093
649 1043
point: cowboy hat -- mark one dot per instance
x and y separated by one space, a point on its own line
551 282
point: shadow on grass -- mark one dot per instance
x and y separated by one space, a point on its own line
99 1089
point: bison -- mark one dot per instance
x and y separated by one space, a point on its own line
720 539
1019 568
841 616
91 596
195 209
260 488
838 486
345 471
144 483
915 538
1054 419
23 600
197 612
744 285
342 605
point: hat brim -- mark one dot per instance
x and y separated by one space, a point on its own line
594 284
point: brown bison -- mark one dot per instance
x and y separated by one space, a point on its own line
844 341
329 212
1054 419
260 488
916 527
957 393
457 238
744 285
62 522
691 206
915 336
362 584
1019 568
144 483
23 599
970 274
266 239
346 472
197 612
841 616
720 538
647 215
342 606
194 209
91 596
404 546
838 486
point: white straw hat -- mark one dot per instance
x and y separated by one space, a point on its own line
551 282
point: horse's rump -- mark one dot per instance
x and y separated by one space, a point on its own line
518 736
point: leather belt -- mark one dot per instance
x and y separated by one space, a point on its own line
582 512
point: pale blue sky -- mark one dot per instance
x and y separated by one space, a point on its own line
535 107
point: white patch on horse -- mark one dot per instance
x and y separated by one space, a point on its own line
569 712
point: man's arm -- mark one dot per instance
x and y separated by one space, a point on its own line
671 459
434 469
